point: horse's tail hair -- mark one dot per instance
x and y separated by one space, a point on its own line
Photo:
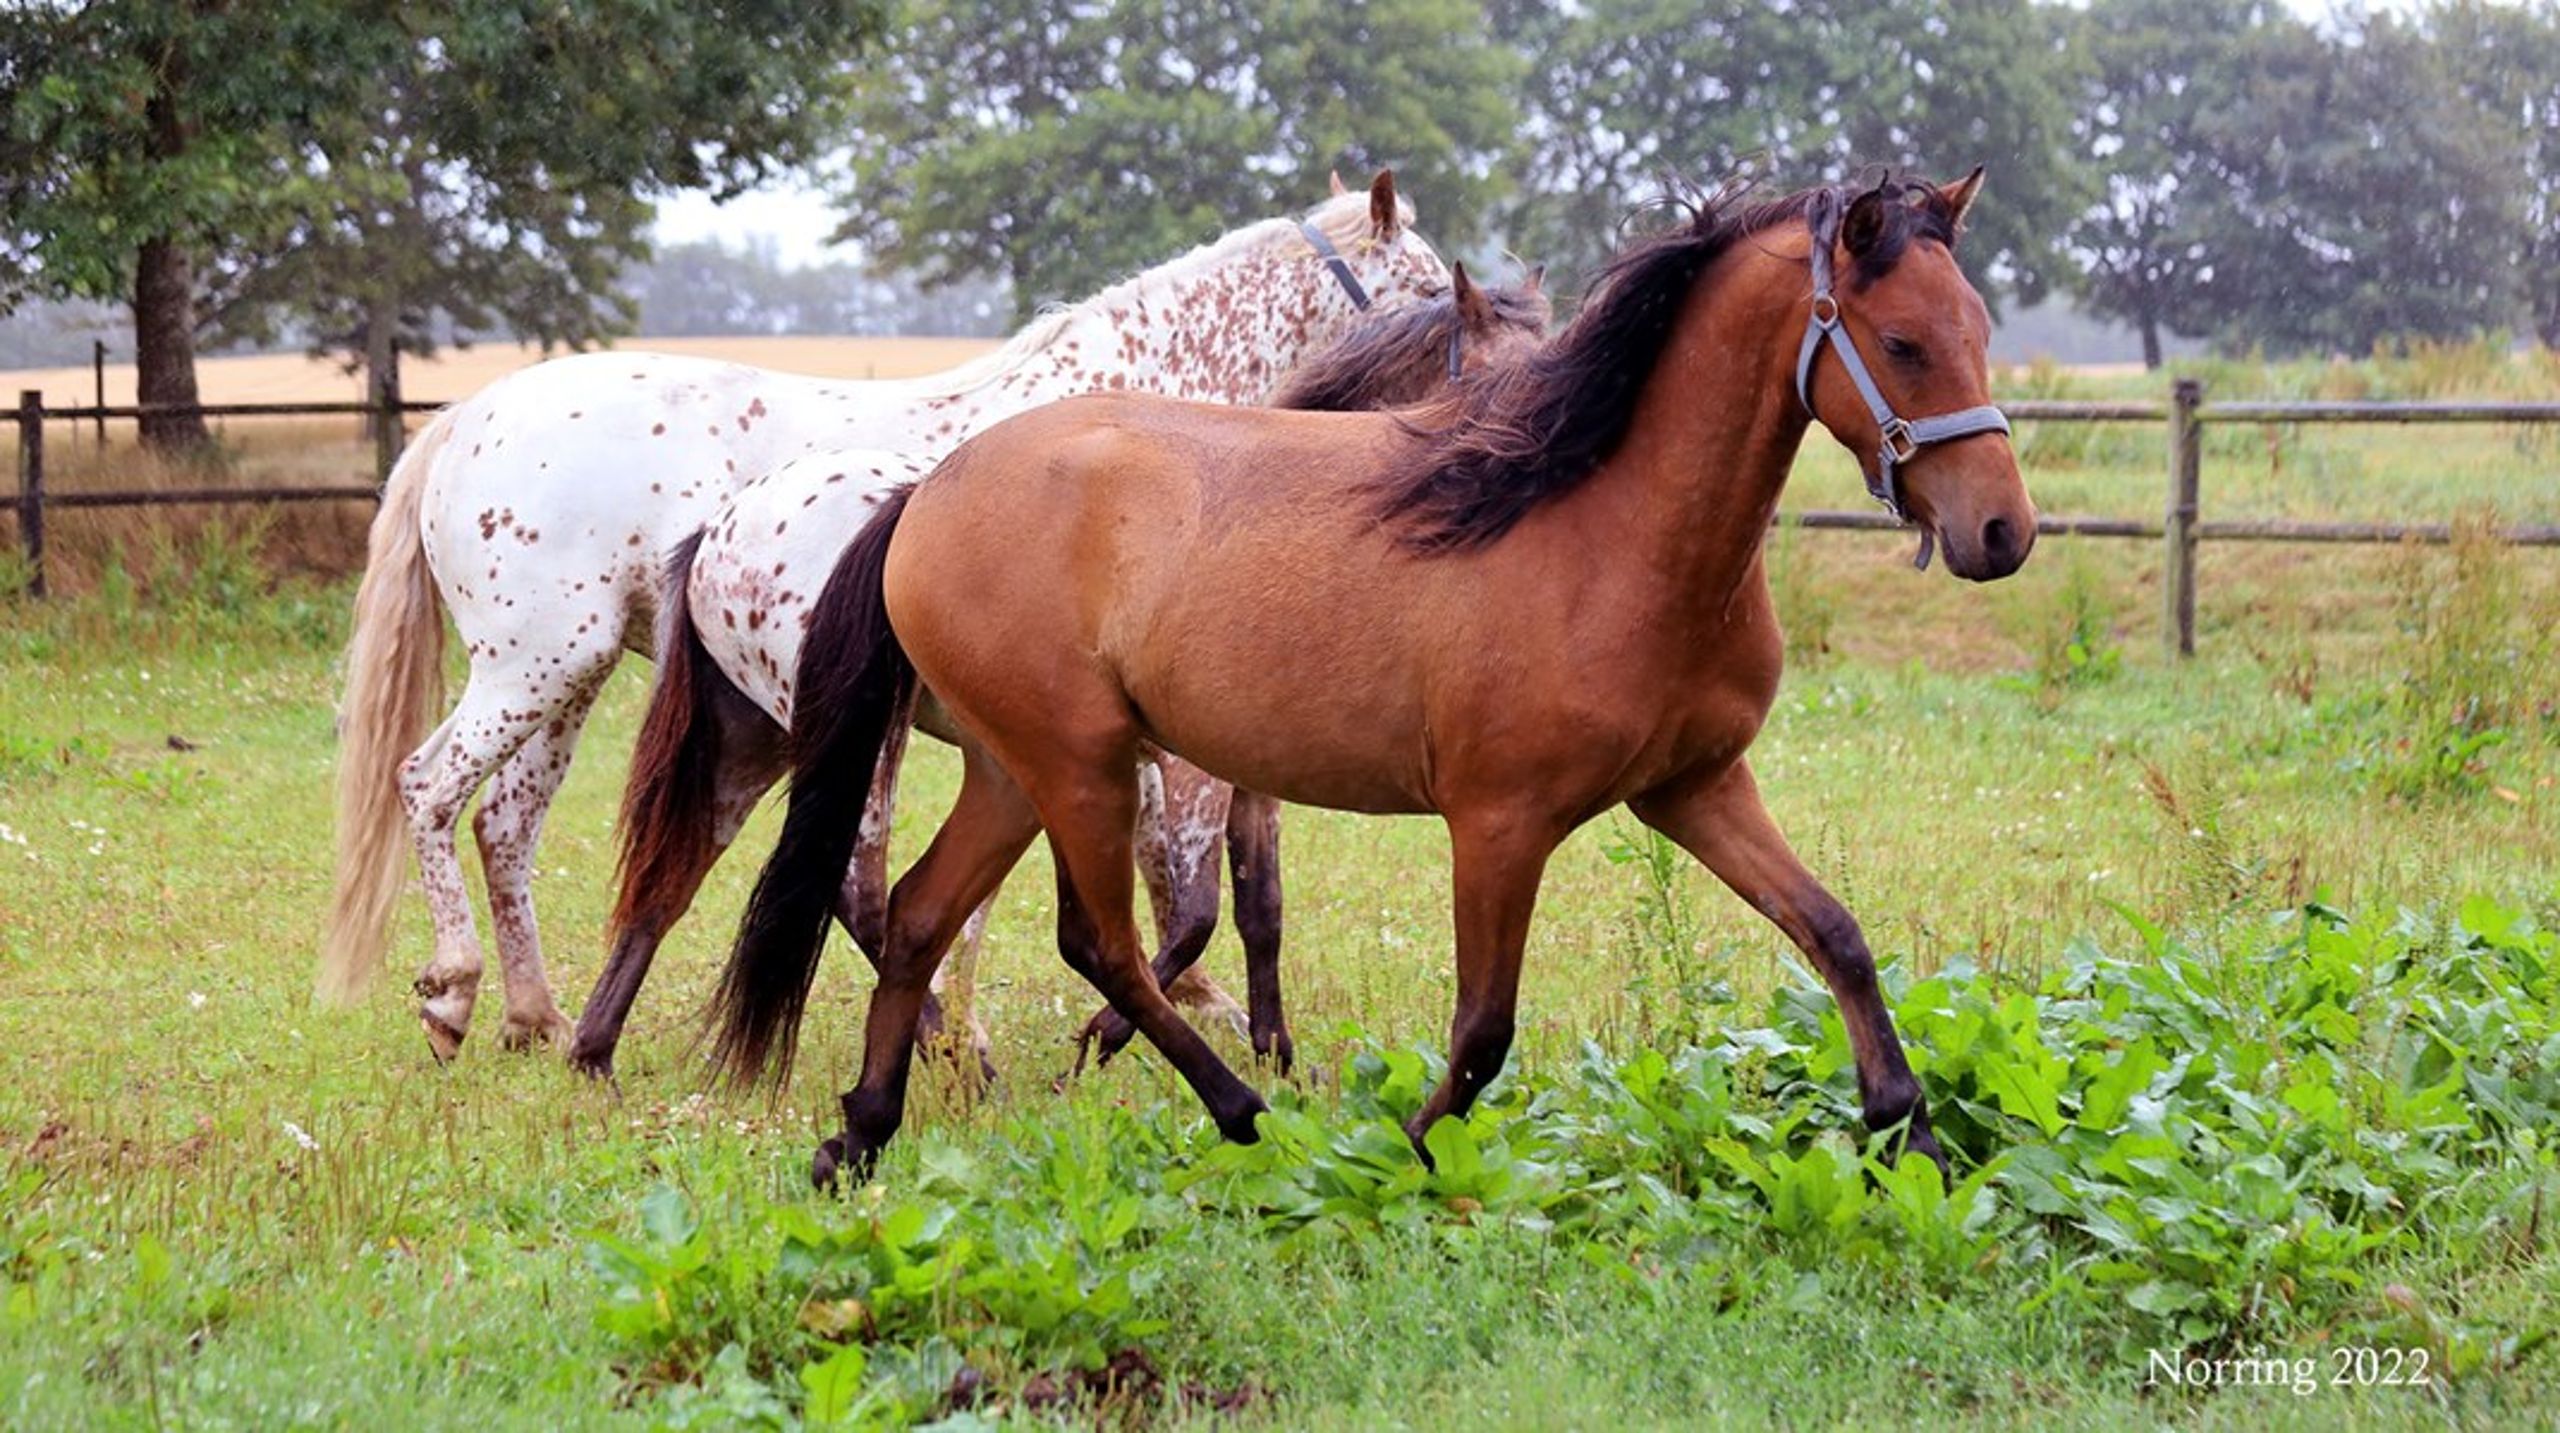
395 683
668 805
854 684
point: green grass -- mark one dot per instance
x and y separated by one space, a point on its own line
440 1252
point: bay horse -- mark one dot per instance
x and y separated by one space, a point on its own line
1542 600
537 513
733 607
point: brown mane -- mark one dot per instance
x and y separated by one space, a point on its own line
1532 432
1399 355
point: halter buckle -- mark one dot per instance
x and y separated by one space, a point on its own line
1900 445
1826 310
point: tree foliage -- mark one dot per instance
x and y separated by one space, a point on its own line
356 170
2275 184
1063 147
1625 98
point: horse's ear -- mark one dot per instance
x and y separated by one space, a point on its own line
1957 198
1382 204
1536 280
1334 177
1864 224
1474 309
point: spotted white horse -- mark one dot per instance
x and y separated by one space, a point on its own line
538 510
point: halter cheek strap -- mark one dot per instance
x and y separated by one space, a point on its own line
1340 266
1900 439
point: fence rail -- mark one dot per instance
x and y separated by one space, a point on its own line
2179 529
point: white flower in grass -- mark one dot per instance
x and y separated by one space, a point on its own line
300 1135
195 1000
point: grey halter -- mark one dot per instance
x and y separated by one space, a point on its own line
1341 267
1902 439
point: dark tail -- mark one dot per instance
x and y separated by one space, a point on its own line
854 681
667 815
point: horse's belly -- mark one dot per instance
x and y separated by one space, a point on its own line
1295 707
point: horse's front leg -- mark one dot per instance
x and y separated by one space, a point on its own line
1498 859
1719 820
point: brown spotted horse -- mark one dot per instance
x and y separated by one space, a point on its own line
735 606
538 511
1517 611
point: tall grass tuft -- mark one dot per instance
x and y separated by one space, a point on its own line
2471 660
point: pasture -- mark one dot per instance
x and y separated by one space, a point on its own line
2234 984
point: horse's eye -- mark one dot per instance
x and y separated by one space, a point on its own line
1903 350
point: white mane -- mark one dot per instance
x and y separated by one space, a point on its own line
1344 219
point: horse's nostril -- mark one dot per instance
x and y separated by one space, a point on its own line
1995 538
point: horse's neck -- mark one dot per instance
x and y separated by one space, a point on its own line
1224 323
1227 327
1694 484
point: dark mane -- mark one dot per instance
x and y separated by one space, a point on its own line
1534 431
1399 355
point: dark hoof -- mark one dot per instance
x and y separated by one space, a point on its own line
1102 1037
594 1064
1239 1128
1413 1133
1277 1048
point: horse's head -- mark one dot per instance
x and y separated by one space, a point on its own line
1367 243
1497 326
1410 352
1894 363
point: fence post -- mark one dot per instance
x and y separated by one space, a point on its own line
2186 460
98 372
31 485
387 419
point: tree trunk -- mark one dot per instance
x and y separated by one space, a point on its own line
2151 342
164 296
164 347
381 357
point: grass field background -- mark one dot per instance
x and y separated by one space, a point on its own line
222 1207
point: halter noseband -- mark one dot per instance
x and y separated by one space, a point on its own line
1901 439
1340 266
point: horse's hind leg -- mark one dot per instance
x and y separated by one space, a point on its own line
1182 824
750 762
497 713
1721 822
1090 810
989 827
1253 854
508 826
862 907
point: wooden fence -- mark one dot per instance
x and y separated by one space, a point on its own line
2179 529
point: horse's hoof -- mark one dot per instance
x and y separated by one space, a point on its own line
443 1038
1238 1128
548 1031
1103 1036
595 1064
1277 1048
1925 1144
840 1164
825 1164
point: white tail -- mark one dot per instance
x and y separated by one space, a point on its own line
395 684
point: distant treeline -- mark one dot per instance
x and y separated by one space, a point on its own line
2225 171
